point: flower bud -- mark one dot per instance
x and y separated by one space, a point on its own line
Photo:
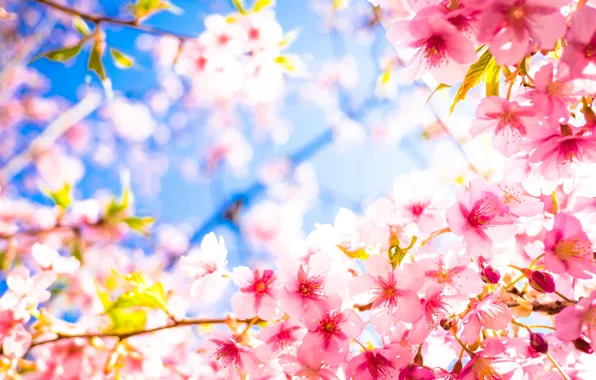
490 275
542 281
446 324
538 343
416 372
582 345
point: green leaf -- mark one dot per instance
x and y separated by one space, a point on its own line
139 223
145 294
95 64
77 249
474 76
357 254
439 87
121 60
239 4
103 296
262 4
142 9
291 63
115 207
61 55
492 79
124 321
81 25
63 197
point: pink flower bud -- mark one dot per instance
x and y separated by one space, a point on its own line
490 275
542 281
416 372
446 324
538 343
582 345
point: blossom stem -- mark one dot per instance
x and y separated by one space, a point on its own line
360 344
462 344
434 234
552 360
510 286
536 260
249 325
565 298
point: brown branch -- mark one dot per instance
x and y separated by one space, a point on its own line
550 308
121 336
97 19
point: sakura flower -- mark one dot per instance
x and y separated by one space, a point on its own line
568 249
491 363
552 91
574 320
307 364
441 48
49 259
16 343
560 148
329 334
206 265
279 338
478 213
31 290
223 38
390 291
434 307
508 122
257 295
489 313
232 356
510 25
580 52
383 363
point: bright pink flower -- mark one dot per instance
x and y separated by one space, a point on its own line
279 338
390 291
580 52
231 355
510 25
435 308
488 313
441 48
478 213
307 364
574 320
508 121
257 295
379 364
562 147
330 333
305 289
568 249
552 92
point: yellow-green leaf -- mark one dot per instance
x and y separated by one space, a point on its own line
291 63
63 197
262 4
141 224
77 249
142 9
116 207
61 55
288 38
474 76
439 87
95 64
81 25
103 296
144 294
239 4
124 321
492 79
121 60
357 254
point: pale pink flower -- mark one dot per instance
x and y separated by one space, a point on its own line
258 293
441 48
574 320
307 364
232 356
206 265
508 122
552 92
511 25
568 249
223 37
31 290
382 363
559 149
279 338
49 259
580 52
391 292
489 313
16 343
478 213
329 334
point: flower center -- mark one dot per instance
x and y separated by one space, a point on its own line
435 51
566 249
228 354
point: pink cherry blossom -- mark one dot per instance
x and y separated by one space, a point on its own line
205 266
307 364
510 25
577 319
49 259
382 363
580 52
488 313
568 249
30 290
279 338
329 334
257 295
390 291
434 307
232 356
509 123
478 213
553 90
441 49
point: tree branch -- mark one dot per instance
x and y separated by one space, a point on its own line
96 19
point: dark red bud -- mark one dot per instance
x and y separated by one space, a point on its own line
490 275
446 323
582 345
538 343
416 372
542 281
